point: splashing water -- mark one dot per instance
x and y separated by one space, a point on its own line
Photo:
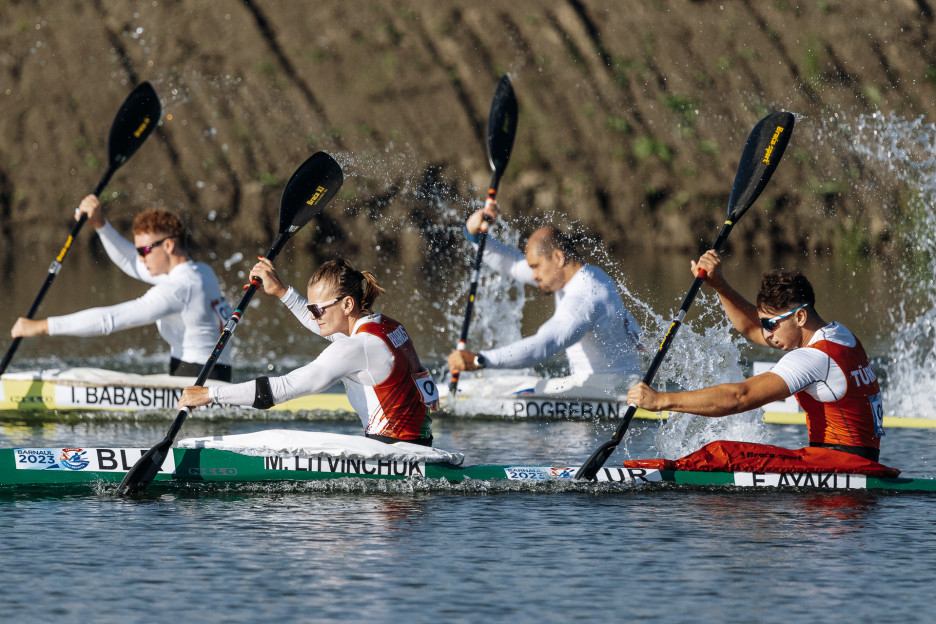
907 150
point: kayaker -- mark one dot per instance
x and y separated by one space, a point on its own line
371 354
599 335
826 367
185 301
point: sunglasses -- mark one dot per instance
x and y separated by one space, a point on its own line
146 249
318 309
771 323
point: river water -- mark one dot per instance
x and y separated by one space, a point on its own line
467 553
416 552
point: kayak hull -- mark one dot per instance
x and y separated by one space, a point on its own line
68 468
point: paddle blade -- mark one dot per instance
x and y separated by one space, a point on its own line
593 464
762 152
502 126
313 185
135 121
144 470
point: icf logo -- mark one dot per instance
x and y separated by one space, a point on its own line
74 459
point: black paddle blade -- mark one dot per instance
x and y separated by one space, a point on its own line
136 120
765 145
312 186
502 126
593 464
144 470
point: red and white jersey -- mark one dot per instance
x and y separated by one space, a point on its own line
834 383
386 385
398 406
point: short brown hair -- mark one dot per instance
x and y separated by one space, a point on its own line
346 281
155 221
782 290
553 239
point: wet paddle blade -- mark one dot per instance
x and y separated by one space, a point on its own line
762 152
313 185
144 470
502 127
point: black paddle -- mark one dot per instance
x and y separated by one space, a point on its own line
502 127
309 189
135 120
760 158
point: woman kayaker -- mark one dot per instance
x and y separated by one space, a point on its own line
371 354
185 301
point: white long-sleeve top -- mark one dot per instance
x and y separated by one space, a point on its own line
186 304
598 334
358 361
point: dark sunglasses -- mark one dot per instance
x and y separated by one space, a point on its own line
146 249
771 323
318 309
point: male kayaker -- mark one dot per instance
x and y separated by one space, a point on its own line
185 301
826 367
599 335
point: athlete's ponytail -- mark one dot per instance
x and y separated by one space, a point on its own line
345 281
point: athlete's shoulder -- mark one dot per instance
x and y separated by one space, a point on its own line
834 332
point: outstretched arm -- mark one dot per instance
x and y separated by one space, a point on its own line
720 400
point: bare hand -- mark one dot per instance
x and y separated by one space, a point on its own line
646 397
29 328
270 281
490 212
193 396
710 263
91 206
459 361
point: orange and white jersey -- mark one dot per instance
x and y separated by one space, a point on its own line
833 380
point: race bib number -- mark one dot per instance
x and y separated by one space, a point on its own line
428 389
877 409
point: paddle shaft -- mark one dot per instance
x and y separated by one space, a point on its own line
55 267
147 467
598 458
475 276
226 334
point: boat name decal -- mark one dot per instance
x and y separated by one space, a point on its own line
84 460
380 467
117 396
839 481
567 409
111 397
